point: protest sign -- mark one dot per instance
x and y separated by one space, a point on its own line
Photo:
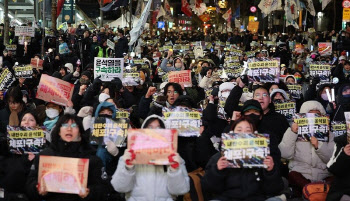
198 52
123 113
311 124
110 44
347 120
25 139
323 71
152 146
108 68
63 48
24 31
63 174
11 47
299 48
22 40
187 121
325 49
37 63
6 79
245 150
295 90
24 72
182 77
177 47
138 61
49 32
338 128
106 129
54 90
221 111
253 26
286 108
264 71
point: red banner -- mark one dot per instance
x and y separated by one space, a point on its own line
182 77
54 90
152 146
63 174
185 8
59 6
37 63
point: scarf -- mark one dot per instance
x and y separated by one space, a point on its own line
13 119
50 123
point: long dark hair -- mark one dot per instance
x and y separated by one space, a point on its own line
64 119
243 118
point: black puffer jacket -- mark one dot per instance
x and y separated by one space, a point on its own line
234 184
74 150
343 104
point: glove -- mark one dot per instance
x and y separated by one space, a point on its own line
174 160
128 157
112 149
76 74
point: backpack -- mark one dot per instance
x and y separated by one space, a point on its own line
195 193
316 191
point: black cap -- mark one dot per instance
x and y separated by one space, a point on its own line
251 105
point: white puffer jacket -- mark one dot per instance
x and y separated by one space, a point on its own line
150 182
304 158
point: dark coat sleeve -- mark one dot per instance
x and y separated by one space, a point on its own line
95 183
273 183
214 180
144 105
233 100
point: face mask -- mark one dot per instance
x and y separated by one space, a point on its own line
103 97
255 118
51 113
105 116
324 97
178 65
25 100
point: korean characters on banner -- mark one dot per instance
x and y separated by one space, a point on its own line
54 90
182 77
347 120
264 71
63 174
310 124
152 146
321 70
221 110
245 150
24 72
338 128
24 31
295 90
108 68
37 63
6 79
187 121
23 139
287 109
106 129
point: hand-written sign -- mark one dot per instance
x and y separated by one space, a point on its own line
310 124
54 90
152 146
245 150
63 174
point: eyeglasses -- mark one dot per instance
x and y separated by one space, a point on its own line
264 95
172 92
73 125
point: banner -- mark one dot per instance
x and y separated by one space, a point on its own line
63 48
23 140
264 71
187 121
54 90
325 49
24 72
24 31
287 109
108 68
138 29
6 79
245 150
68 11
24 39
346 14
110 44
310 124
347 120
37 63
63 174
106 129
338 128
323 71
152 146
181 77
295 90
11 47
267 6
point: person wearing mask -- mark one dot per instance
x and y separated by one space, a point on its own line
122 44
241 183
342 72
53 112
177 64
307 160
68 140
151 182
171 92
